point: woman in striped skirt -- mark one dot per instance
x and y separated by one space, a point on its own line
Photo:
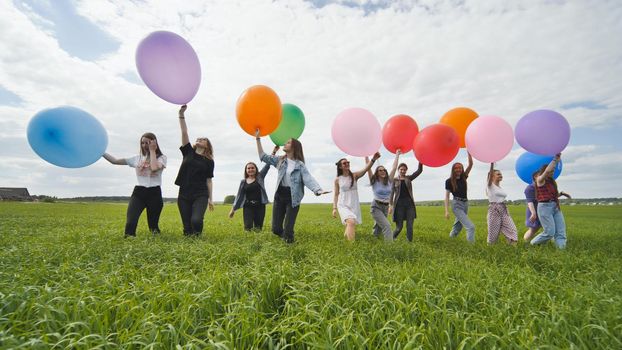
499 219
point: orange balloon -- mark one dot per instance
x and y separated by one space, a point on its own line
259 107
459 119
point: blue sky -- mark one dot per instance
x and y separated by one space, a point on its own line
420 58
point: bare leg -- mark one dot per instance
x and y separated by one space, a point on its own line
530 233
350 229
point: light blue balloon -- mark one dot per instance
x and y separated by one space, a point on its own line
67 137
528 163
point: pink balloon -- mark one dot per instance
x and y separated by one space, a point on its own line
489 139
357 132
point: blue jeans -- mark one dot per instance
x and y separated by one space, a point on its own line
553 223
461 211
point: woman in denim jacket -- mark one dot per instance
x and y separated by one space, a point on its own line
293 176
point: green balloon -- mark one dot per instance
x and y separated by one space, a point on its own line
291 126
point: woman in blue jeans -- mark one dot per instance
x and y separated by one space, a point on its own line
457 186
549 212
531 214
194 179
292 178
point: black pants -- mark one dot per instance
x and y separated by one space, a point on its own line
253 216
283 212
404 212
144 197
192 208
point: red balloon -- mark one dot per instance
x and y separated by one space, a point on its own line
436 145
399 132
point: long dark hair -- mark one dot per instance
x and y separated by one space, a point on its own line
256 169
340 171
402 165
452 179
151 136
548 179
375 176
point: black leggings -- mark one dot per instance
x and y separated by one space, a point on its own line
253 216
144 197
404 213
283 212
192 210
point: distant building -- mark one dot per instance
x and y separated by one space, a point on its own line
14 194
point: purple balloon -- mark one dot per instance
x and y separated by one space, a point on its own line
169 67
543 132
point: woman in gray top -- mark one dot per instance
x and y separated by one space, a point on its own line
381 184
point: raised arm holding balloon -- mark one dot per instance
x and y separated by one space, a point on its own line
498 218
346 198
402 201
549 212
149 164
456 184
293 176
381 184
194 179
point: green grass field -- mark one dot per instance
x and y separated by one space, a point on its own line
68 279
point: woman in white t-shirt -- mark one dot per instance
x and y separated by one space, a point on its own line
149 164
499 219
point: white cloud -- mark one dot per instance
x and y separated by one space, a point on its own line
421 58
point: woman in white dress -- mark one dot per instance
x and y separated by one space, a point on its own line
346 199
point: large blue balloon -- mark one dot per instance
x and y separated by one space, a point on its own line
528 163
67 137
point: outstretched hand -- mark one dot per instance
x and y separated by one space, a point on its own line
183 109
321 193
257 134
153 145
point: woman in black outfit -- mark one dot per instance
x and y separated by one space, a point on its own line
252 196
402 202
194 179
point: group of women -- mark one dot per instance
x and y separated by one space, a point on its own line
194 180
392 195
195 185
